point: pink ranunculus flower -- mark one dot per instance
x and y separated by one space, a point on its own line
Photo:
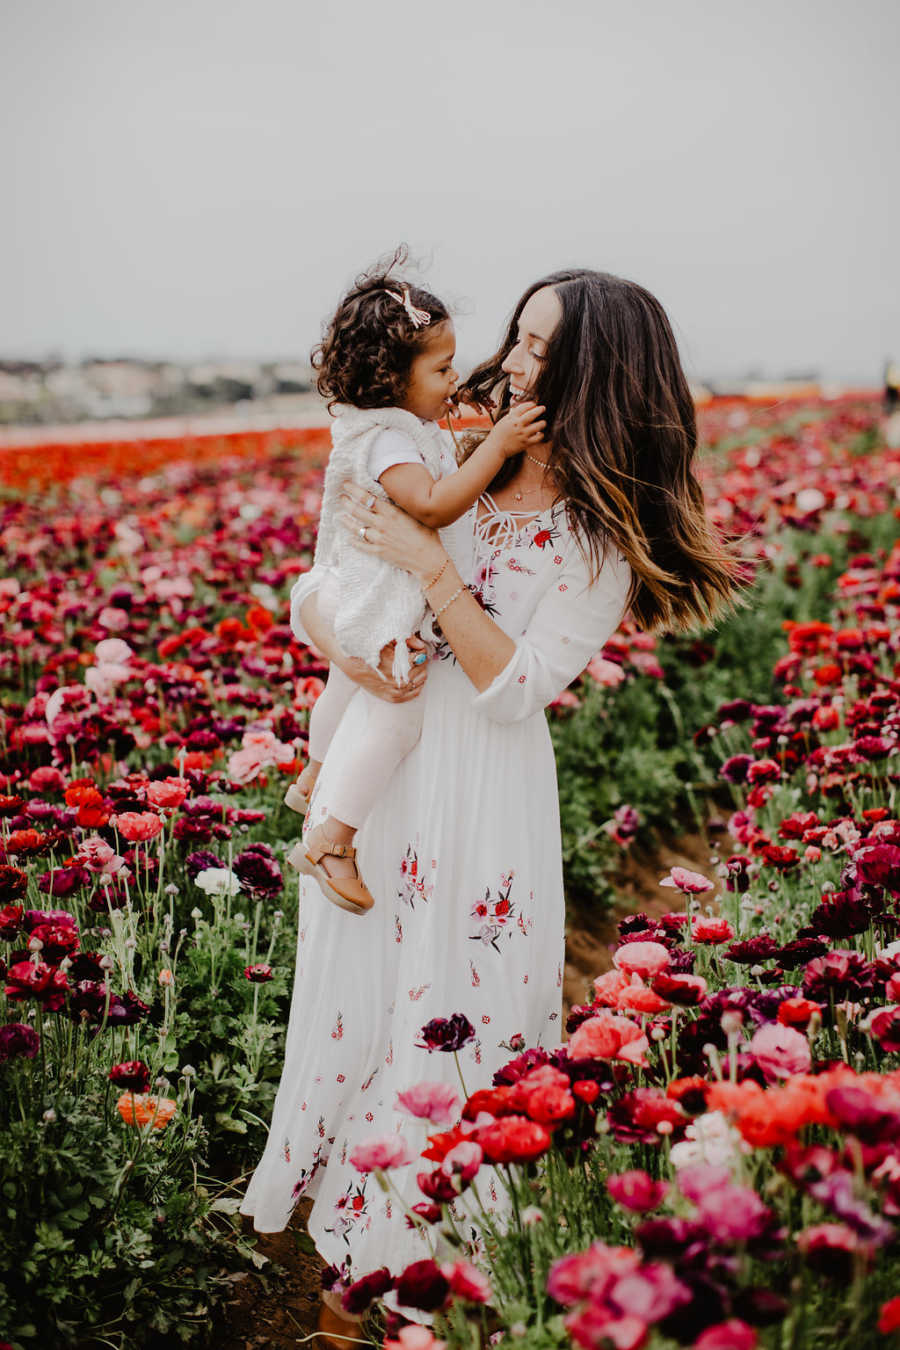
113 619
103 678
97 856
731 1335
780 1051
466 1282
437 1102
137 826
605 672
646 959
689 883
415 1337
463 1160
608 1036
113 651
381 1153
637 1191
572 1278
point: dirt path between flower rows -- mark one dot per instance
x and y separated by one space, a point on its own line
275 1311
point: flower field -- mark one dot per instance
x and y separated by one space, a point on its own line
712 1159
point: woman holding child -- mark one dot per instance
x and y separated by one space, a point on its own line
589 508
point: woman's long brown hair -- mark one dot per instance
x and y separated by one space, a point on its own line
622 433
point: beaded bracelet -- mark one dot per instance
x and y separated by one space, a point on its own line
447 603
437 576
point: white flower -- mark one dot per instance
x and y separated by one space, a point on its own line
217 881
709 1139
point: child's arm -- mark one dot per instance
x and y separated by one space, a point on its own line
432 503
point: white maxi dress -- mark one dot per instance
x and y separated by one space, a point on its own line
463 857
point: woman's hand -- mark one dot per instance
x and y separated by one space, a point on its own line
387 532
387 688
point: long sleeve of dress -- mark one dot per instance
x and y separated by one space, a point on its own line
572 622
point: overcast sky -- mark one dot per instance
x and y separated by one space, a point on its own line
198 178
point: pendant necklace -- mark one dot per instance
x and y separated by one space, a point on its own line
542 464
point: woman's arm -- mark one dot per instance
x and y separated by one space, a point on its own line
481 646
572 622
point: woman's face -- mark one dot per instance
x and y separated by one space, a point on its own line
537 323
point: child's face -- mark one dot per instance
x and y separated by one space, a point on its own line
537 323
432 379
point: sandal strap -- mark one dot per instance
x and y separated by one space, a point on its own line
332 851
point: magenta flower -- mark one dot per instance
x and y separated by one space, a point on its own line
731 1335
437 1102
381 1153
572 1278
259 973
637 1191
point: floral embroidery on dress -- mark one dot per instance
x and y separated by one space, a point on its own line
302 1184
495 915
413 885
349 1209
338 1032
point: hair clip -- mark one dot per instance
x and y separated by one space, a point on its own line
419 318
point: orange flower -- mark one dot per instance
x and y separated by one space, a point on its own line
140 1109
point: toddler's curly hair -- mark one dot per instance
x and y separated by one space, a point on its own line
364 359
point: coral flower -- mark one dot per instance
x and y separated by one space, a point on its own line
137 826
139 1110
607 1036
712 930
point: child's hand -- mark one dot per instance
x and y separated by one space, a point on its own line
522 426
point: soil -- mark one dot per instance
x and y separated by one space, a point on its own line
280 1310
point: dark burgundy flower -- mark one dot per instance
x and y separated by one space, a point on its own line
734 770
57 940
62 881
133 1075
364 1291
87 1000
126 1010
752 950
18 1041
258 873
841 914
797 953
10 922
446 1033
25 979
438 1187
832 1249
668 1239
685 990
879 865
839 975
195 863
736 710
259 973
422 1285
738 874
13 883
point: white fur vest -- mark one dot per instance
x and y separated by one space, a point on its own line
378 603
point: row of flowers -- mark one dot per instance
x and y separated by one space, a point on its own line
713 1156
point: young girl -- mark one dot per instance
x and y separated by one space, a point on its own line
386 365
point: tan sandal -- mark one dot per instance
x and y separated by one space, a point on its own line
350 893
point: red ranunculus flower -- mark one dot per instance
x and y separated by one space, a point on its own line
513 1139
132 1074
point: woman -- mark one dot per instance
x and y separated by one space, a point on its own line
463 852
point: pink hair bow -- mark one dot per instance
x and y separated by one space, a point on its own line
419 318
